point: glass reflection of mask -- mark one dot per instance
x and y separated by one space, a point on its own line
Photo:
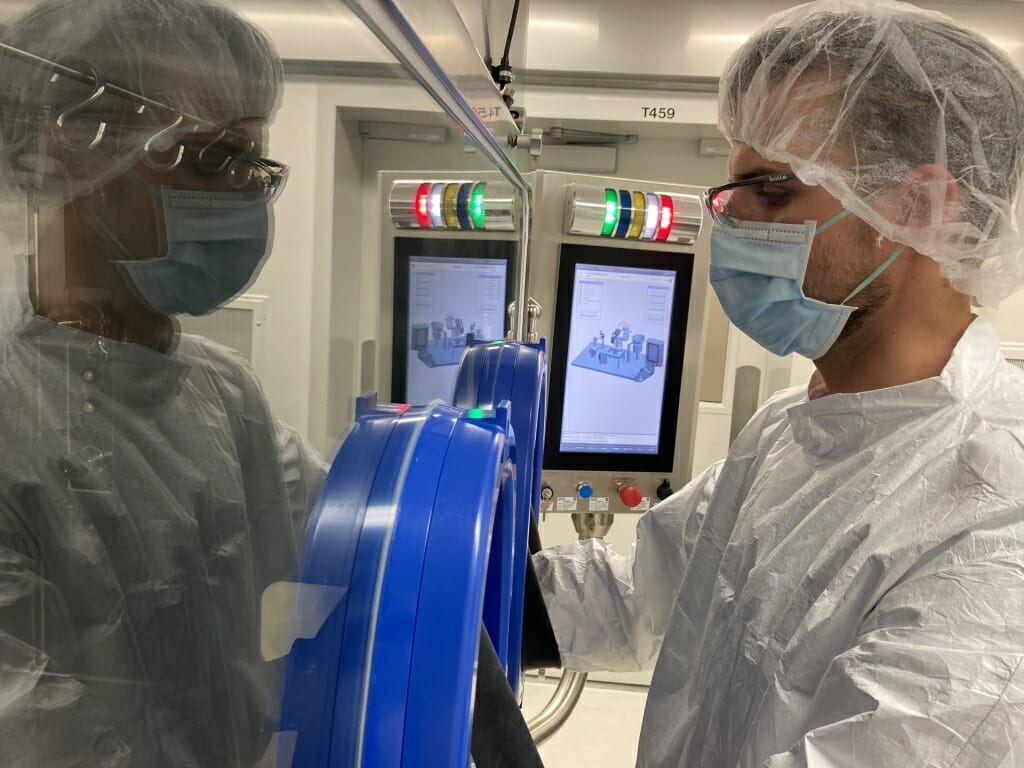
215 246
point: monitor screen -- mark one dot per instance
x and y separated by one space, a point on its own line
617 360
441 304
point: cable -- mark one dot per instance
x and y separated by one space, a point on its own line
511 31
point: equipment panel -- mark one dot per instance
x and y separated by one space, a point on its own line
618 284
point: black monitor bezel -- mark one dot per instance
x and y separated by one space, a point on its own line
571 255
445 248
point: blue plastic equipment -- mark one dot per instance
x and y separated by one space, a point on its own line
513 372
390 596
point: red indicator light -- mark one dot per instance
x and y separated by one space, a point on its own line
403 407
665 221
422 215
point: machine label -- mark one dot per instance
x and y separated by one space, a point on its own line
488 113
599 504
644 505
659 113
566 504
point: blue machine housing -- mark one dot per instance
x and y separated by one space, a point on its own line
400 542
421 533
513 372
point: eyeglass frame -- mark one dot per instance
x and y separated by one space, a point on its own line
277 172
768 178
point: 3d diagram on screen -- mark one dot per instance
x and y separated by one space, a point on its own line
629 355
442 342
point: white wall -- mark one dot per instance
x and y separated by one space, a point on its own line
671 160
287 277
312 280
1008 319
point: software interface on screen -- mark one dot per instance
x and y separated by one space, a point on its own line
451 302
615 367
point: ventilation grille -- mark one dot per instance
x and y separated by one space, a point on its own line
1014 354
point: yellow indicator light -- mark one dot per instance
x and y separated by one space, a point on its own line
451 211
639 209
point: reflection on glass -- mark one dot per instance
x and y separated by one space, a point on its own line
148 496
179 215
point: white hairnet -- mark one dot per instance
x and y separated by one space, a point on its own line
862 97
211 68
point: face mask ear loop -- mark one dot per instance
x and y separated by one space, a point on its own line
834 220
875 275
143 182
107 234
843 214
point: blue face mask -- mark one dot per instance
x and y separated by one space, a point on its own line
215 245
757 271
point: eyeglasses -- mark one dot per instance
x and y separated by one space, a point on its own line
229 169
757 199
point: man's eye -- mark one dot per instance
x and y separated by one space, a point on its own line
774 195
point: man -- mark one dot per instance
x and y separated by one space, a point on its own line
148 497
847 587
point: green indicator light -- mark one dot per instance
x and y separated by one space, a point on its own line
475 413
611 212
476 206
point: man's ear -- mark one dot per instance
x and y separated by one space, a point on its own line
929 197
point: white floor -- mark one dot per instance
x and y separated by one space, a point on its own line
602 732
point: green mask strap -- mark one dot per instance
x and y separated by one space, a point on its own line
107 234
834 220
146 184
875 275
881 268
844 213
103 229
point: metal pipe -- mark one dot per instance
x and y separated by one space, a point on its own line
387 21
562 704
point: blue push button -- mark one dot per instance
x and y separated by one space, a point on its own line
584 490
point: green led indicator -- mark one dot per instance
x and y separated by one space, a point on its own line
476 206
475 413
611 212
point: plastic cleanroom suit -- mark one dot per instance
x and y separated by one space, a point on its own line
846 589
147 499
146 503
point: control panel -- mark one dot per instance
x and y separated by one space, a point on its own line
619 272
597 492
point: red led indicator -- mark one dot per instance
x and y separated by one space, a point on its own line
666 218
422 215
403 407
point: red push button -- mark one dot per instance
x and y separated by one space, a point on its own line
631 495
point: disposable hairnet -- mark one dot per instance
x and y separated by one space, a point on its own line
211 68
877 101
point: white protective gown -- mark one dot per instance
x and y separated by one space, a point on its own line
845 590
146 503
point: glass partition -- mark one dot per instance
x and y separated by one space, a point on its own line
191 282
